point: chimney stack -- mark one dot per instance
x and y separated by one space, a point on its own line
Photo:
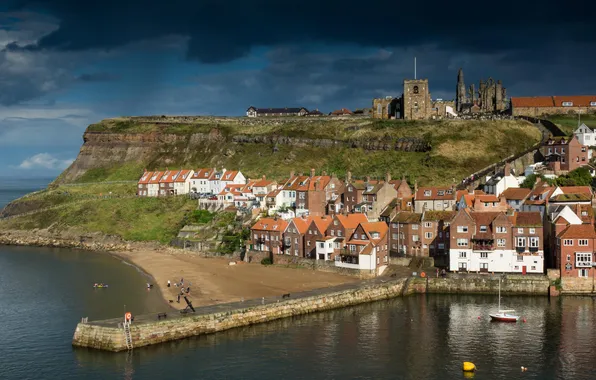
292 174
264 177
367 179
312 172
415 186
507 169
324 173
388 177
348 176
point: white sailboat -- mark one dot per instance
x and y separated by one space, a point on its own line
503 315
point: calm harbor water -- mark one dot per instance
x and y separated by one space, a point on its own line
45 292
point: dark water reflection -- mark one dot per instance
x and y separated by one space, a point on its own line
421 337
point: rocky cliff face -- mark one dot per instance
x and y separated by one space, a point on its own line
106 149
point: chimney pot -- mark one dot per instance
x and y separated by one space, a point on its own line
348 176
312 172
291 174
264 177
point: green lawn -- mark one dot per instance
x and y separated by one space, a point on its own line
569 123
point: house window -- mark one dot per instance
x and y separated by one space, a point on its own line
363 236
441 192
308 243
415 238
379 112
332 232
567 104
532 231
462 255
441 246
501 230
583 273
592 104
428 235
534 242
339 233
568 257
462 229
462 242
483 229
428 224
520 242
427 193
462 266
583 259
414 226
416 90
520 230
583 242
484 255
500 242
533 267
568 242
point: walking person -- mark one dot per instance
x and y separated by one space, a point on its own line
169 284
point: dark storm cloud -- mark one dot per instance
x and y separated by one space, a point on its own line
221 31
97 77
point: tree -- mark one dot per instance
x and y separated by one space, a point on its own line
578 177
529 182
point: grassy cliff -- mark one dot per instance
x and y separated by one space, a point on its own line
568 123
119 149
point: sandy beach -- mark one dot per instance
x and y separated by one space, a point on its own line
213 280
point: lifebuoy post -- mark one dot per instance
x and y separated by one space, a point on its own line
127 316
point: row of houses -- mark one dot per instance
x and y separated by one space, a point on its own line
185 181
518 231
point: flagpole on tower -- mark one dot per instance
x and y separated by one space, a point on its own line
415 68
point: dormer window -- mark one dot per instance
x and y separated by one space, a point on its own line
427 193
567 104
483 229
441 192
449 191
592 104
375 235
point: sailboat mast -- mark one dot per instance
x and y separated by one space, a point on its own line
499 292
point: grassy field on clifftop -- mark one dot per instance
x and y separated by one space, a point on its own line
568 123
90 208
458 148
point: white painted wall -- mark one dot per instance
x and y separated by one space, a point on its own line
505 261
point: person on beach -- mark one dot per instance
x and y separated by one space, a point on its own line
148 286
169 283
178 298
188 290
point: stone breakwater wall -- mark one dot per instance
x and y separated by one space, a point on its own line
147 330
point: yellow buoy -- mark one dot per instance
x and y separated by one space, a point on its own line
469 367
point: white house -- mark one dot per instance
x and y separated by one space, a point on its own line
325 247
182 181
199 182
497 184
215 186
367 248
274 201
585 135
153 185
231 177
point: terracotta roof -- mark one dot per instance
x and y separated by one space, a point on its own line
323 181
302 224
484 218
434 193
270 224
168 176
273 193
263 183
486 198
578 231
576 190
229 175
203 173
145 178
352 220
182 175
534 101
515 193
407 217
535 196
297 183
234 189
577 100
343 111
438 215
156 177
322 222
372 227
527 219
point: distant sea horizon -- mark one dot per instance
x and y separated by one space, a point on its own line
12 188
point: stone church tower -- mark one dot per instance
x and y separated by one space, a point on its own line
460 91
416 100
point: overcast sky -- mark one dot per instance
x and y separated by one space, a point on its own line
67 63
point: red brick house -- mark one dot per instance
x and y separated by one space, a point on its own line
294 237
405 234
575 249
315 231
435 235
367 248
267 235
565 154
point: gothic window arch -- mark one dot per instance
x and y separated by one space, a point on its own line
415 89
